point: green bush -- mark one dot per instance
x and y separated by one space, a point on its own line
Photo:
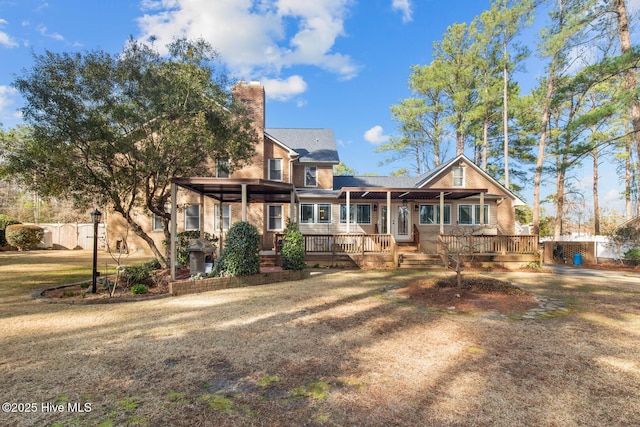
139 289
241 254
182 244
24 236
632 254
4 222
293 248
140 274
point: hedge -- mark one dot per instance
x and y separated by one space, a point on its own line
24 236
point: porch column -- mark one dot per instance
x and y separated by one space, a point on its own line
201 215
442 212
244 202
481 209
292 206
348 211
174 230
389 212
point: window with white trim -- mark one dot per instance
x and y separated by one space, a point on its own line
156 224
311 176
430 214
192 217
275 169
458 176
470 214
274 221
358 213
222 168
307 213
315 213
226 217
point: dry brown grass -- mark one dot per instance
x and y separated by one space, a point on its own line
329 350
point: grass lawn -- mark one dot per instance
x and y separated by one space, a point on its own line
329 350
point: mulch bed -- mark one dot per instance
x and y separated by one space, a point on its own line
478 294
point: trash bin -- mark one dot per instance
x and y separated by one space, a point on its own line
199 251
577 259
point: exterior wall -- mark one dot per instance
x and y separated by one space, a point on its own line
324 177
275 151
254 97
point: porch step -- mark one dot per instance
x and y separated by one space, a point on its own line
409 247
416 261
268 261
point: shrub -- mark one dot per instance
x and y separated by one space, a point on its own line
4 222
293 248
139 289
241 254
632 254
140 274
24 236
182 244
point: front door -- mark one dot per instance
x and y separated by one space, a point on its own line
400 222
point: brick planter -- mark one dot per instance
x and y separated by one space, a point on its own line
215 283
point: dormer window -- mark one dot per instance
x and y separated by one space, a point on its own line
310 176
458 176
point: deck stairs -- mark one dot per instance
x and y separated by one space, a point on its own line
411 259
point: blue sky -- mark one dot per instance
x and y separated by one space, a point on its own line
336 64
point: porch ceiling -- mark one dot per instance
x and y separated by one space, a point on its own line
377 193
230 190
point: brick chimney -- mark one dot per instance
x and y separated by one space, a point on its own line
252 95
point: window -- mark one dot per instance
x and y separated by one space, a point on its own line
307 214
458 176
275 169
324 213
470 214
192 217
226 217
360 214
275 218
315 214
430 214
156 223
222 168
310 176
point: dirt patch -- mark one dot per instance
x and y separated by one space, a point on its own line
478 294
82 292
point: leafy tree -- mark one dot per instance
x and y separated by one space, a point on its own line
115 129
341 170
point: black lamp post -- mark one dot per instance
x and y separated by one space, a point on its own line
96 217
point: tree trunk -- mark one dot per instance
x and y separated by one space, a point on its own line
596 203
505 113
537 179
630 80
627 181
143 235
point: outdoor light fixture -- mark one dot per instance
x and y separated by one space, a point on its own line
96 217
375 207
416 207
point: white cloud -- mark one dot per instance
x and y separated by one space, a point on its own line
403 6
256 36
283 90
6 98
376 135
5 39
43 30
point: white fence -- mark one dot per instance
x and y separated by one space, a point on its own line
602 245
72 236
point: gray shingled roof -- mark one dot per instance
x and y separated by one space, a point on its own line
374 181
313 145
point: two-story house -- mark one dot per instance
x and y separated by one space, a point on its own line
291 176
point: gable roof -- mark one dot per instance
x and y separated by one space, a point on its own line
433 174
312 145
